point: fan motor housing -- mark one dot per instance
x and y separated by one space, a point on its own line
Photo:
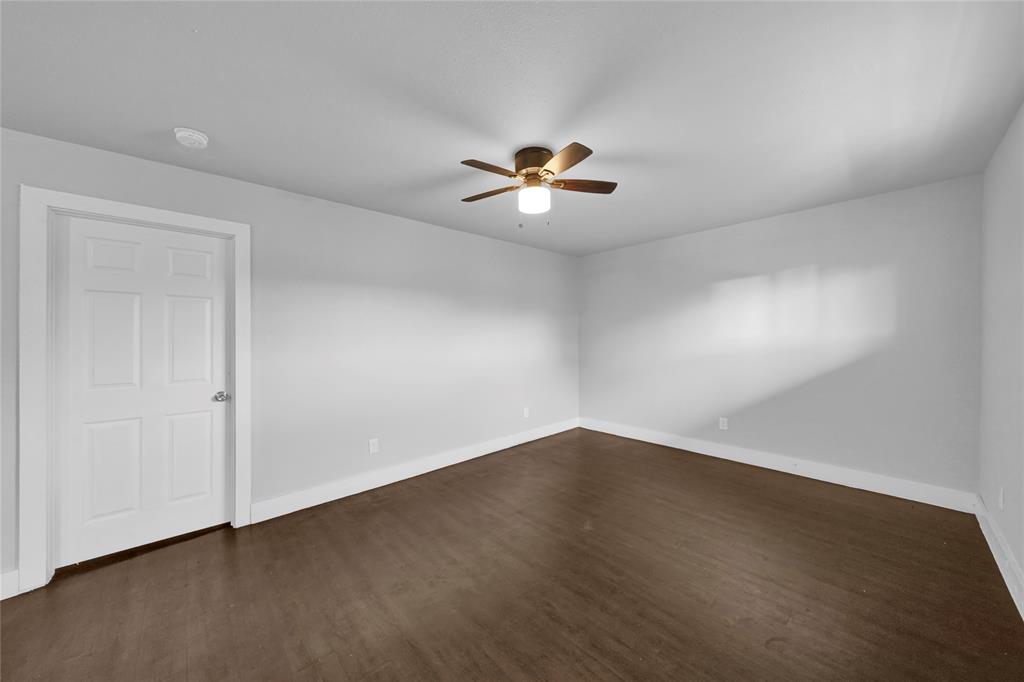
530 160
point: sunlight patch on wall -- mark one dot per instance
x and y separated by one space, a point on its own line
742 340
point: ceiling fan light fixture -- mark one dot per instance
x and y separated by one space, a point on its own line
534 200
537 171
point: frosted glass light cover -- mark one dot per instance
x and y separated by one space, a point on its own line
534 200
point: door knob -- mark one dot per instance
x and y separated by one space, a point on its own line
221 396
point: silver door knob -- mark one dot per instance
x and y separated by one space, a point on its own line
221 396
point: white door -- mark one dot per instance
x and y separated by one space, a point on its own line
143 450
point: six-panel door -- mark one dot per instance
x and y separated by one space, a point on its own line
144 444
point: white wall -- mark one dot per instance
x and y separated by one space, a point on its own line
364 324
847 334
1002 397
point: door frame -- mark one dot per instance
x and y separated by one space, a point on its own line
38 420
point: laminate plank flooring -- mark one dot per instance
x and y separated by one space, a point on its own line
582 556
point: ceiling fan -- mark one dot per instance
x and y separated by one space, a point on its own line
536 170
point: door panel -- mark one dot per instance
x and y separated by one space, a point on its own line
145 454
186 263
191 451
109 254
189 339
114 339
114 451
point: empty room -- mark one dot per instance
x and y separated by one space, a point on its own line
511 341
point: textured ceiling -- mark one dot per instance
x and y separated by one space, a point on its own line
705 113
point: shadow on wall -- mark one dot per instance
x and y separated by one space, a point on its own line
742 340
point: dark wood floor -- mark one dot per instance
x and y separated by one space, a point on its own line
578 557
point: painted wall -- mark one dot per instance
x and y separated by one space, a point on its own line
847 334
1002 396
365 325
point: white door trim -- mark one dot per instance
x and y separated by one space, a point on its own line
36 337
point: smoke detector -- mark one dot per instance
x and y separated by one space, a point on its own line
193 139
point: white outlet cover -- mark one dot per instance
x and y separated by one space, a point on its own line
723 423
526 413
374 445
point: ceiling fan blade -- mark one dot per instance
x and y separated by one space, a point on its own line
492 193
489 167
567 158
592 186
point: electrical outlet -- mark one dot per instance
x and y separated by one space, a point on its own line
374 446
1002 499
723 423
526 413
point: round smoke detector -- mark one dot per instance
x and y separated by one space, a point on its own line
193 139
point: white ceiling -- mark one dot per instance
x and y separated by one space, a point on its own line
705 113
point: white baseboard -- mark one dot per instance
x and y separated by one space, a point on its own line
310 497
960 500
8 584
1009 566
949 498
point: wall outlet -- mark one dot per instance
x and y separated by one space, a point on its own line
374 446
723 423
526 413
1002 499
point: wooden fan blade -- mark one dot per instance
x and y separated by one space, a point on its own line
567 158
592 186
489 167
492 193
